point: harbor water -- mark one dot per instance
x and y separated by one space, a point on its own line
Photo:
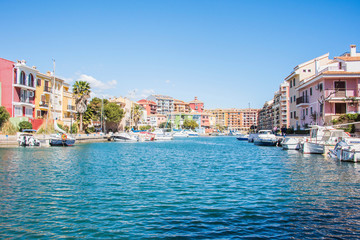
193 188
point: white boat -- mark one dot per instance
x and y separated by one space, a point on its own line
146 136
161 135
291 143
242 137
180 134
27 139
265 138
347 150
320 137
124 137
252 136
191 133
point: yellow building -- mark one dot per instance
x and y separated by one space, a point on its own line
68 105
42 95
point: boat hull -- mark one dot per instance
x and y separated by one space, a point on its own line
312 148
242 138
265 142
61 143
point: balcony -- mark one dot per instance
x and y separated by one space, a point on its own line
44 104
303 100
341 93
31 86
71 108
47 89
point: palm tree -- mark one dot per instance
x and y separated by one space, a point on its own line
136 113
81 90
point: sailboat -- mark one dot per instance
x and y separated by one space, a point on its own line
63 140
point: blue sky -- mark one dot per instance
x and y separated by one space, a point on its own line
227 53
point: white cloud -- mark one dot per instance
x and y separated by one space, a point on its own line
168 81
97 84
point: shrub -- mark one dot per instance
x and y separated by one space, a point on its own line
90 130
9 129
4 115
147 127
24 125
74 128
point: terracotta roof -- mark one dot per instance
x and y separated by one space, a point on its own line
349 59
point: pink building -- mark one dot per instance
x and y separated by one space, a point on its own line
332 91
18 88
150 106
196 105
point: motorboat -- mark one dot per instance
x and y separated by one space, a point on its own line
179 134
291 143
265 138
242 137
321 136
161 135
61 139
191 133
124 137
347 150
251 137
146 136
26 139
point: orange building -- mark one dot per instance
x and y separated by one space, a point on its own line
150 106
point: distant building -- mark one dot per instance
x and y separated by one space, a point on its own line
149 106
165 104
281 106
235 119
266 116
181 106
196 105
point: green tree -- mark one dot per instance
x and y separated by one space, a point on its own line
147 127
81 90
113 112
4 115
190 124
95 107
165 125
24 125
136 113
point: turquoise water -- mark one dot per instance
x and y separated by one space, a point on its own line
195 188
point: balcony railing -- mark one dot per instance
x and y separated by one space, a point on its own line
302 99
44 104
47 89
341 92
71 108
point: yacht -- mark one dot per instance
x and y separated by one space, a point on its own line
161 135
124 137
291 143
179 134
61 139
26 139
242 137
265 138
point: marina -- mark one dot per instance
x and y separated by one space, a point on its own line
206 187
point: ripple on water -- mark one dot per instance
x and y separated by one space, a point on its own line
190 188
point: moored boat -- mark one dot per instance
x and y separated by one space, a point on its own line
291 143
124 137
26 139
61 140
265 138
242 137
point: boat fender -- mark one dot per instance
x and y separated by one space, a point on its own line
63 137
348 134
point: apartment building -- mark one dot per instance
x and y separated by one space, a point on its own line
196 105
165 104
281 106
266 116
332 91
181 106
235 119
18 88
149 106
299 74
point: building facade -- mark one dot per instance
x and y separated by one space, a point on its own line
149 106
165 104
266 116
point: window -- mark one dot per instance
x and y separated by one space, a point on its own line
290 100
38 82
320 87
291 115
294 82
31 80
340 108
311 91
303 112
290 84
309 70
22 78
18 111
294 99
311 111
304 70
307 112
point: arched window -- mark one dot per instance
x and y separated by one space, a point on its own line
22 78
31 80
